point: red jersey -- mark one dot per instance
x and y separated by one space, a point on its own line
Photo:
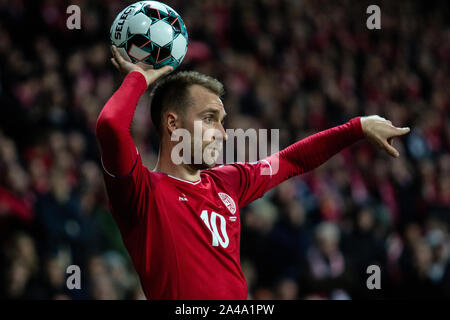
184 237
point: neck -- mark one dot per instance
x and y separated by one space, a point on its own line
181 171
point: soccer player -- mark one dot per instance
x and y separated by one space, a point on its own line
180 222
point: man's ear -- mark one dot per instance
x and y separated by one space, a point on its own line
171 122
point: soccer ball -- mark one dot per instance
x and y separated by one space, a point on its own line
150 32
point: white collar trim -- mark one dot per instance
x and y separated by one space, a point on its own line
187 181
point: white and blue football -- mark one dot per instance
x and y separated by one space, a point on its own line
150 32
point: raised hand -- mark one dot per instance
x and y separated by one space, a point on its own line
380 132
126 66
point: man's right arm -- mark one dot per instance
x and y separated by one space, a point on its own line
127 185
118 151
124 174
119 154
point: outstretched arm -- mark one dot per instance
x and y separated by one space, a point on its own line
311 152
251 180
119 154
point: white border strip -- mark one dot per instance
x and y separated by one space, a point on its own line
110 174
191 182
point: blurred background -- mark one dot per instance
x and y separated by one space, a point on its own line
299 66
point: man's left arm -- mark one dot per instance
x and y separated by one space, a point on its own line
309 153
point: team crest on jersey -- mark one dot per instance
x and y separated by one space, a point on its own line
228 202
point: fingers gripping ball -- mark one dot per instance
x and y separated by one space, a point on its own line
150 32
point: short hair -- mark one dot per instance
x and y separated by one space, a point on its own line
171 93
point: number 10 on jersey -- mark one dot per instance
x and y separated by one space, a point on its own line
211 223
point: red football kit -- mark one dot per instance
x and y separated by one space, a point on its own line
184 236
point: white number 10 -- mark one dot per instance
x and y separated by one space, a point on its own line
216 238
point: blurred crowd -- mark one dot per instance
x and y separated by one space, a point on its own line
298 66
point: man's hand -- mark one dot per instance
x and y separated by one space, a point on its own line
125 67
380 132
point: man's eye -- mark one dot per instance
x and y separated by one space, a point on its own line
208 119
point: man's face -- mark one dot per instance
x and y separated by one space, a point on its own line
206 108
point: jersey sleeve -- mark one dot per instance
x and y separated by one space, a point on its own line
129 195
251 180
126 178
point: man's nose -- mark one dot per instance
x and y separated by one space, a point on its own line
224 134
